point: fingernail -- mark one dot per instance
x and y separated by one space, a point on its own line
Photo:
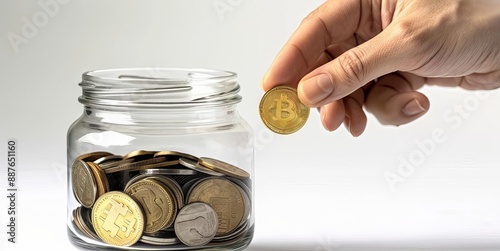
413 108
317 88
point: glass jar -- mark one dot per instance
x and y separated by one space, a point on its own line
160 159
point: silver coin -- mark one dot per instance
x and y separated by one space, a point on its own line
196 224
191 164
169 171
161 238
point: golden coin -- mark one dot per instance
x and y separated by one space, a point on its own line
84 183
93 156
223 167
281 110
170 184
139 155
101 179
157 201
134 166
192 164
225 198
118 219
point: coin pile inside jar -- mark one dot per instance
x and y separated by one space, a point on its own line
160 198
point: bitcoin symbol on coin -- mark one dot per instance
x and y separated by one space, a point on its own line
285 109
157 202
281 110
151 205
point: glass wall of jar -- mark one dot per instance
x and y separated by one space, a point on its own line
160 159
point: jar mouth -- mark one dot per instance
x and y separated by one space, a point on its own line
159 88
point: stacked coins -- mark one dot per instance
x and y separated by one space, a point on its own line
163 198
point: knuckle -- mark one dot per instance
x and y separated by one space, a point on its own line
352 68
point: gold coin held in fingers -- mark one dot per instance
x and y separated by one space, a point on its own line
281 110
118 219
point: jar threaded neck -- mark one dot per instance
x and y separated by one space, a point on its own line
159 88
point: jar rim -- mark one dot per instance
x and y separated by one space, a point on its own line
99 75
159 88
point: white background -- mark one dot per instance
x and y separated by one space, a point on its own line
315 190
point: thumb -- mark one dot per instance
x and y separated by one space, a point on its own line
350 71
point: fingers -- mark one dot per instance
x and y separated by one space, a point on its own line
355 117
332 115
350 71
331 23
393 101
349 110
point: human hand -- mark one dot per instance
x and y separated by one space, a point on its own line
339 50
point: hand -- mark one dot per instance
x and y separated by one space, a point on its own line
352 53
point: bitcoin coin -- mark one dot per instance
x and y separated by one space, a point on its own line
223 167
281 110
225 198
118 219
168 182
84 183
172 185
196 224
157 202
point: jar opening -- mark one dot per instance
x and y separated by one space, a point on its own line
159 88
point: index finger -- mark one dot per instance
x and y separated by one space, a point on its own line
332 22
